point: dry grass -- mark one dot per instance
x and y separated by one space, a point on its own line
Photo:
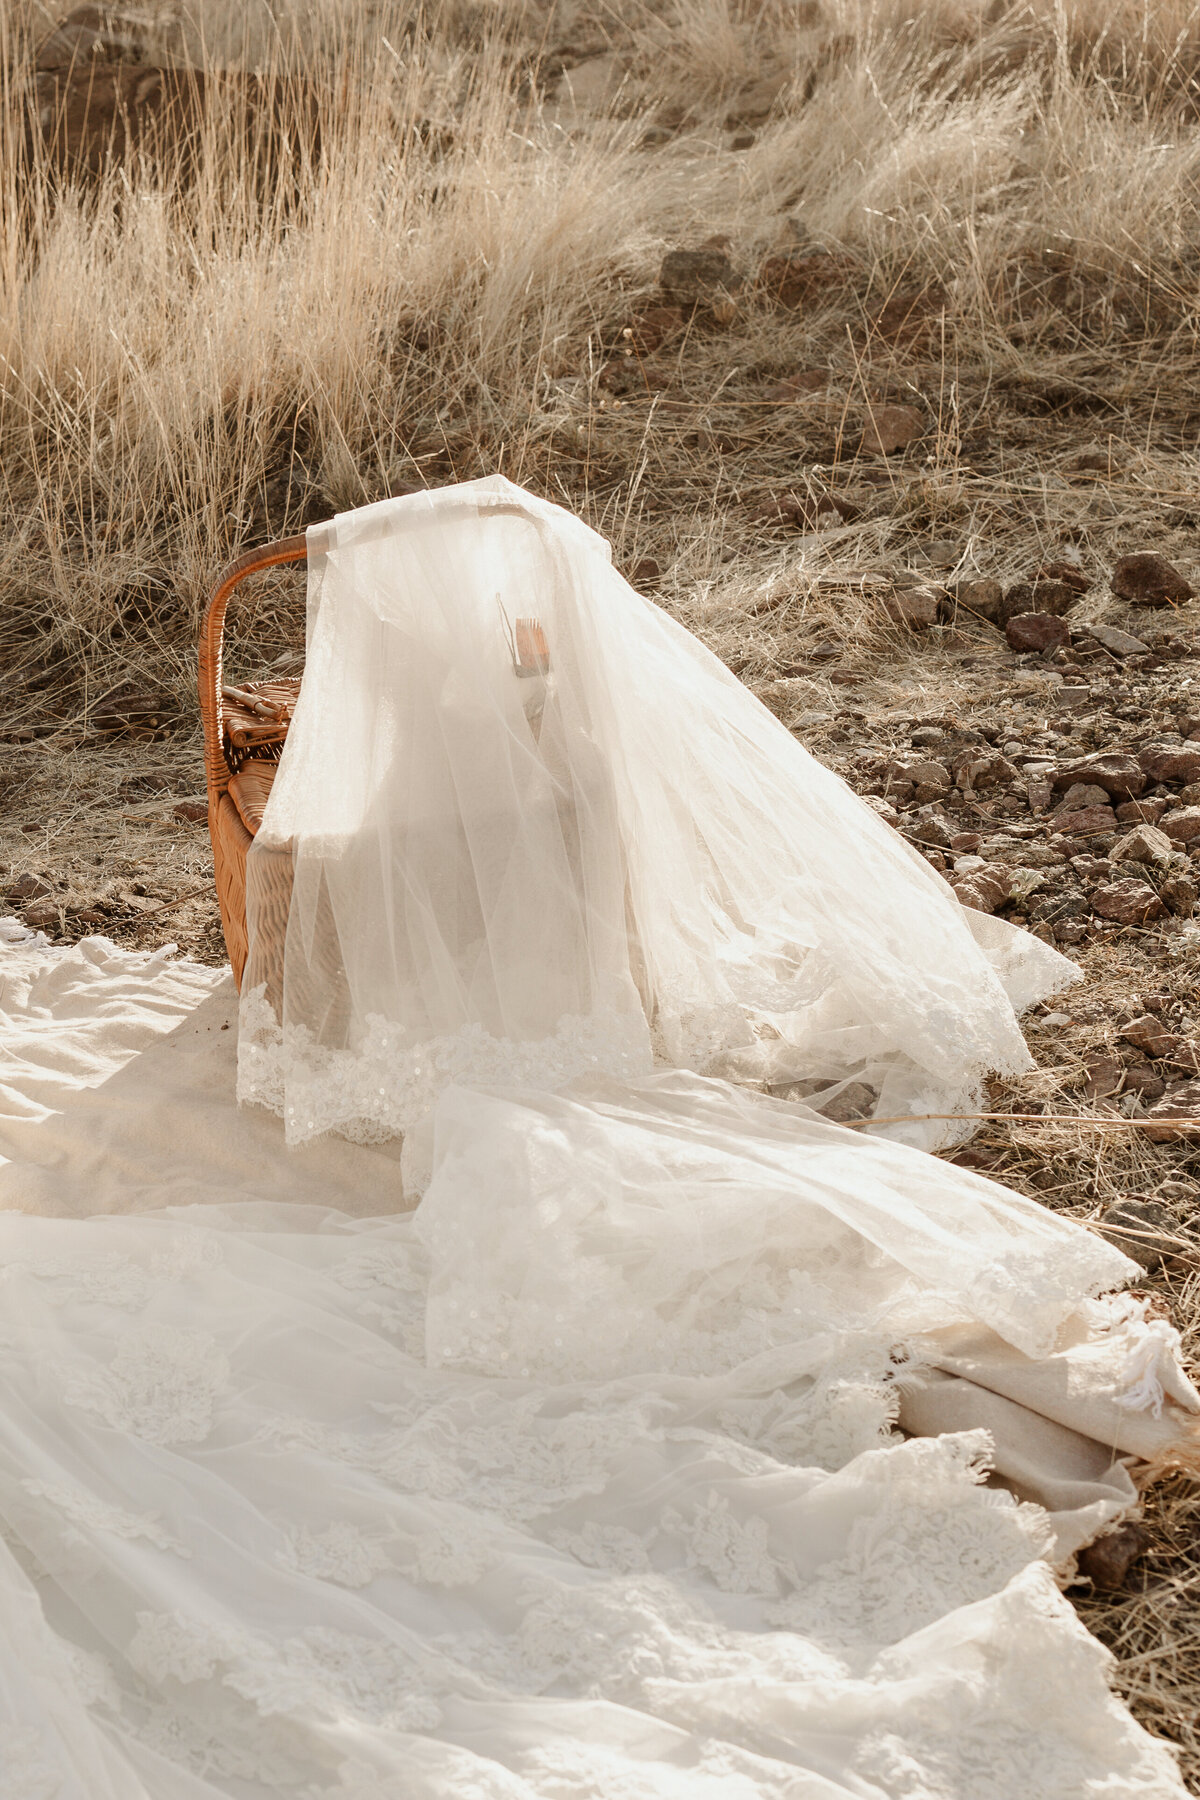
193 357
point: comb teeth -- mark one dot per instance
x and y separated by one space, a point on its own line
533 653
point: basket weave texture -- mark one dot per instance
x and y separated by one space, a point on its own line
245 729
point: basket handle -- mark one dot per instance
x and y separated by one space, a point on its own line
212 634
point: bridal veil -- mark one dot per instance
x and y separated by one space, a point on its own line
529 828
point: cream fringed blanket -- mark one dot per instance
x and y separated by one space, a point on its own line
581 1481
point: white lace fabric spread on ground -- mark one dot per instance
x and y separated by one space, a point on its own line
526 827
580 1481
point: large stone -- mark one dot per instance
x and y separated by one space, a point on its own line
1119 774
1147 579
1165 762
1183 827
1036 631
1128 903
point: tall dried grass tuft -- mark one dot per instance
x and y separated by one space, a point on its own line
205 342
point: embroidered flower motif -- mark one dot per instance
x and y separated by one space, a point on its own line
96 1515
162 1385
340 1552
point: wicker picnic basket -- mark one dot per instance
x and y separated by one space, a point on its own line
245 728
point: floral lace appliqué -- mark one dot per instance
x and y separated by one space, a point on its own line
162 1385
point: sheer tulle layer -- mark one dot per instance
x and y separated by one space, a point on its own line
607 856
260 1546
581 1482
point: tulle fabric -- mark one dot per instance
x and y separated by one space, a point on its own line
581 1481
526 827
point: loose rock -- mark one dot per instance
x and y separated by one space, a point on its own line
1128 902
916 607
982 598
1104 1077
854 1102
887 429
1183 827
1182 1102
799 387
1147 579
1121 643
1107 1562
1086 822
1120 775
1162 762
983 889
806 512
1133 811
1036 631
1149 1034
1180 893
1055 597
1145 844
701 279
1084 793
1144 1079
28 887
1147 1222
